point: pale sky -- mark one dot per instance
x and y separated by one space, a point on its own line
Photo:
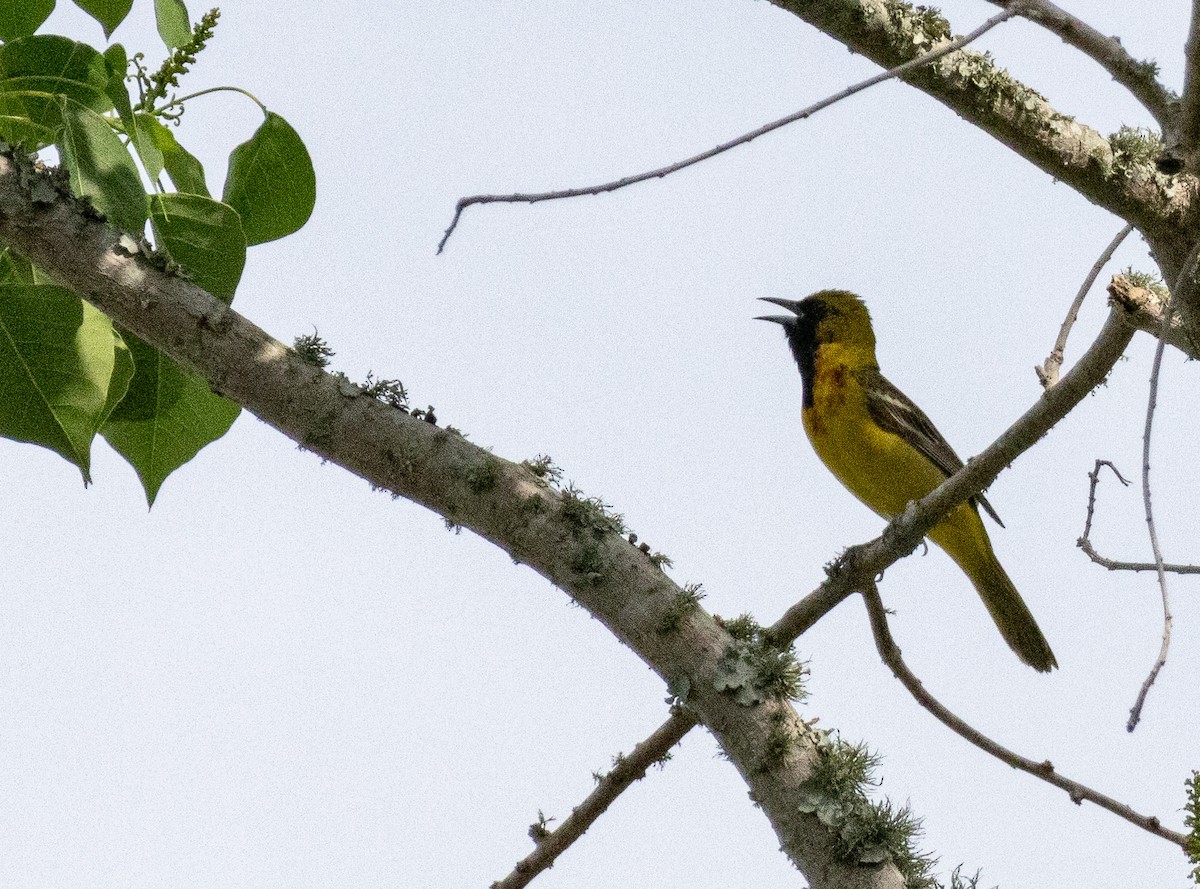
278 678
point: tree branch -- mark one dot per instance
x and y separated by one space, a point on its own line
625 772
614 580
971 85
857 568
1048 373
1139 77
660 172
1145 310
890 653
1085 540
1189 109
552 532
1182 280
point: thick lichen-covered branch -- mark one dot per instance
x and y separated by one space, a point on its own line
1139 76
563 536
890 32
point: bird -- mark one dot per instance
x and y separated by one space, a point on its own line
887 452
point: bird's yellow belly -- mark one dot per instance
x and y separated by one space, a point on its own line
876 466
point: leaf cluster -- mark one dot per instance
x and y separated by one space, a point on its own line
67 374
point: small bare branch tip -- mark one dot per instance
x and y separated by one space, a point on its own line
1048 373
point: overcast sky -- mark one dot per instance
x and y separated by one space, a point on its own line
278 678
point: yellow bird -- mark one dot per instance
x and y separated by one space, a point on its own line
885 450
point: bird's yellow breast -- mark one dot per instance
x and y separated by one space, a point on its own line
878 467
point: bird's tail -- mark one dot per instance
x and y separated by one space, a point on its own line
1012 616
965 540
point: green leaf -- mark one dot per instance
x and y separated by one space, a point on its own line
47 63
14 269
101 168
143 141
56 364
174 27
271 181
185 171
165 419
116 62
29 119
22 17
122 374
34 72
109 13
204 236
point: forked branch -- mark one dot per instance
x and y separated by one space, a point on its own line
1085 540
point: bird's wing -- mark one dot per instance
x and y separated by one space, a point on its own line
895 412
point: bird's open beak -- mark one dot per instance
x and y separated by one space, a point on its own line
790 305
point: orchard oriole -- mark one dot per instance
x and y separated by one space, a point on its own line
885 450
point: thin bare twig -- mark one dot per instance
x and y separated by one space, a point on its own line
625 772
1048 373
1085 541
890 653
1136 76
660 172
1182 280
